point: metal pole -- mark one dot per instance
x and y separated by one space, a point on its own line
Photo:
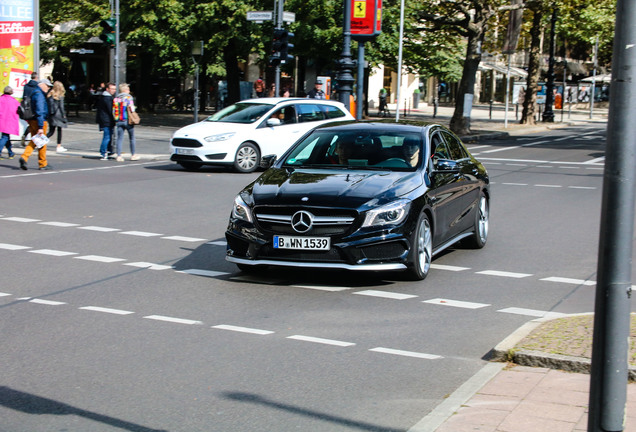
548 114
36 37
360 80
565 64
116 62
594 78
608 383
507 93
399 71
279 25
196 93
345 76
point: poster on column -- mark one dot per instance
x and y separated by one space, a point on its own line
16 44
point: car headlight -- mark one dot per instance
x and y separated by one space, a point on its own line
241 211
219 137
388 214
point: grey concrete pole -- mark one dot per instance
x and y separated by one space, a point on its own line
608 384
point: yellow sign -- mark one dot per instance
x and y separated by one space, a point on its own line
359 9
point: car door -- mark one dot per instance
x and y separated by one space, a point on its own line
466 180
275 137
446 190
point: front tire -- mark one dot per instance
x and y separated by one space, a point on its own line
422 253
482 216
247 158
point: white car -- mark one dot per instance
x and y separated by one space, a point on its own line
240 134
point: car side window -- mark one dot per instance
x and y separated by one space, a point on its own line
454 147
332 112
439 147
309 113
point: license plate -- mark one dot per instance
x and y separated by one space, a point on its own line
185 151
306 243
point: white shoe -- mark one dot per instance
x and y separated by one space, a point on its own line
104 158
134 158
61 149
119 159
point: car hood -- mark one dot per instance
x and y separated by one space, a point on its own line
205 128
341 188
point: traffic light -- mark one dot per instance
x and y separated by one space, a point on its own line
108 31
280 47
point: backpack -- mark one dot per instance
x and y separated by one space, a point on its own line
26 111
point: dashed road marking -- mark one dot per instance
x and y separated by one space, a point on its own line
173 320
106 310
569 281
184 239
140 233
59 224
20 219
322 287
321 340
98 229
217 243
242 329
46 302
406 353
99 258
4 294
532 312
52 252
207 273
504 274
548 186
13 247
456 303
449 267
149 266
385 294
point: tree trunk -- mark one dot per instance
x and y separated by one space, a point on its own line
460 122
534 68
233 73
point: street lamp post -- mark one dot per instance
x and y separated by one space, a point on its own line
548 113
346 64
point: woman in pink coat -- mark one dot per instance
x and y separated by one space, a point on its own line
9 121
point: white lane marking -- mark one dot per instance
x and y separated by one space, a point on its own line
208 273
4 294
582 187
52 252
106 310
594 161
217 243
20 219
406 353
46 302
321 341
569 281
504 274
515 184
385 294
515 147
535 161
548 186
172 320
456 303
140 233
448 267
242 329
322 288
532 312
149 266
13 247
184 239
99 229
59 224
99 258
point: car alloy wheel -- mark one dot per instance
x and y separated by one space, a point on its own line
422 253
480 236
247 158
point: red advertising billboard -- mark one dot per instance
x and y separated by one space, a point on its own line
16 44
366 19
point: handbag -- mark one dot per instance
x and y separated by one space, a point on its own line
133 117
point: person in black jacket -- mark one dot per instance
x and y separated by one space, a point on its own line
38 126
105 119
31 85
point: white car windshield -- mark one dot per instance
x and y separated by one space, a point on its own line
241 113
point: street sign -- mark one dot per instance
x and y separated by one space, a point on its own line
366 19
289 17
260 16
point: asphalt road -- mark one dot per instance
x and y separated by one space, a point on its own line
119 312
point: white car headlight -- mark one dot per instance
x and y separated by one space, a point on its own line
241 211
388 214
219 137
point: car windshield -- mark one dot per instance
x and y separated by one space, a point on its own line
241 113
377 149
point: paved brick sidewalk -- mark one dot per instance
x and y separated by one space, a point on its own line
527 399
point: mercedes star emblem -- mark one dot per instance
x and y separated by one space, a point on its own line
301 221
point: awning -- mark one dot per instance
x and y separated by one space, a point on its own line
605 78
503 69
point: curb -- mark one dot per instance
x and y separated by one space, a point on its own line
505 352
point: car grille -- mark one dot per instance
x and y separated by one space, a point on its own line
268 252
326 222
186 142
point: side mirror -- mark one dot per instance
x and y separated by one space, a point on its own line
273 122
446 166
267 161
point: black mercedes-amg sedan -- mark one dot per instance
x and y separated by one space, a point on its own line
362 196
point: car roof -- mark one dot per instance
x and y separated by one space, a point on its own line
280 100
375 125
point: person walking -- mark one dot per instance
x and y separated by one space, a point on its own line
122 104
316 92
105 120
57 114
9 120
38 126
